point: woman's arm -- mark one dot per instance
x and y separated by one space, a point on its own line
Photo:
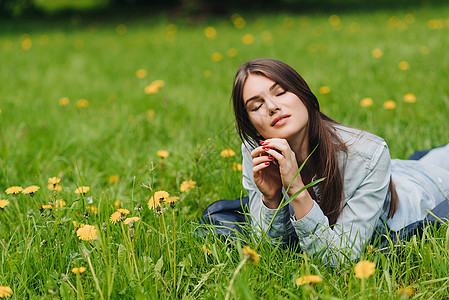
360 213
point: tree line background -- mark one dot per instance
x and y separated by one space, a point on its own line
27 8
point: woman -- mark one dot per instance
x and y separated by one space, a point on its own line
279 120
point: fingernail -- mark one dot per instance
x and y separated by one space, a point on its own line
265 148
270 157
261 142
267 163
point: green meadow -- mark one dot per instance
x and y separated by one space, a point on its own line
91 101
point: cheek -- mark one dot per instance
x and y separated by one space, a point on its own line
258 120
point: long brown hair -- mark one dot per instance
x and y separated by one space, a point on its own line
323 162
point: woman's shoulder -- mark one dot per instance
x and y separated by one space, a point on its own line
360 142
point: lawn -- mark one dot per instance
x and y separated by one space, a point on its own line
91 101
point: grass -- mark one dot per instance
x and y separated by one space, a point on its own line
117 135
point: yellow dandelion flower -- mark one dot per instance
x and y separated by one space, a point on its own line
154 87
207 73
217 56
403 65
366 102
82 190
117 203
54 180
115 217
151 114
82 269
153 203
161 195
157 198
410 98
87 233
406 292
64 101
232 52
172 199
187 185
113 179
26 44
436 24
60 204
389 104
82 103
252 255
46 206
238 21
3 203
207 250
237 166
364 269
54 187
123 211
172 29
227 153
93 209
377 53
324 90
31 189
308 279
354 27
128 220
5 291
162 153
121 29
334 20
13 190
210 32
141 73
248 39
75 270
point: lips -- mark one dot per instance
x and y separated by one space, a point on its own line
282 117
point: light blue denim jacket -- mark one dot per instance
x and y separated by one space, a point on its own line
366 172
366 169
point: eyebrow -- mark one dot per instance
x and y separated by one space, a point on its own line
258 97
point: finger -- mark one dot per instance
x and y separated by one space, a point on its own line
262 159
272 152
260 167
280 145
257 152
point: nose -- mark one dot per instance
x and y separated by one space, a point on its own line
272 106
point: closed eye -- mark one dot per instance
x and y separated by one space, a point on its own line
257 107
281 93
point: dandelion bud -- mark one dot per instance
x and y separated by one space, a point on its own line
30 214
53 290
131 224
138 207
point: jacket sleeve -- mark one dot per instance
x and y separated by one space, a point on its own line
281 228
360 212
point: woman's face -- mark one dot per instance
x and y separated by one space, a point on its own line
273 111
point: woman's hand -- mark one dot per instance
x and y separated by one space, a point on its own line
280 150
267 177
